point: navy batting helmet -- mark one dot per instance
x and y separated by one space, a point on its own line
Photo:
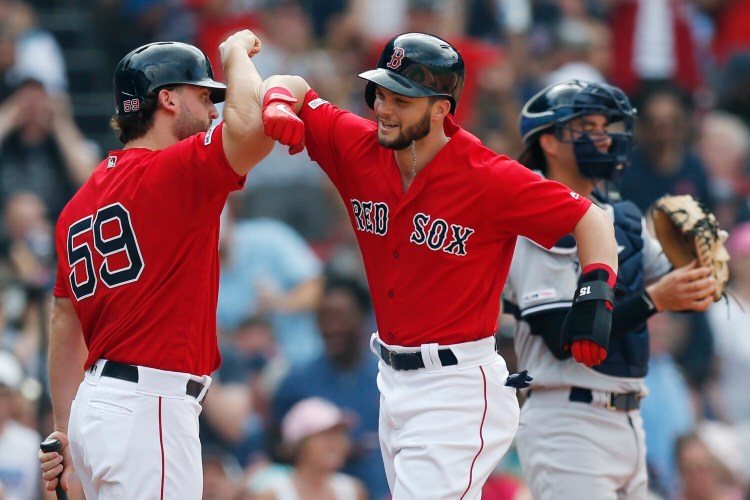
418 65
150 67
549 110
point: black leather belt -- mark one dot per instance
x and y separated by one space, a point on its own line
130 373
616 402
413 360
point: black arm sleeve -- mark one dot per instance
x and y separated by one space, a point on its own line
548 324
631 313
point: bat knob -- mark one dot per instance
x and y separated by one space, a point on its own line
52 444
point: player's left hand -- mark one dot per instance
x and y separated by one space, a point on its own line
585 331
280 122
588 352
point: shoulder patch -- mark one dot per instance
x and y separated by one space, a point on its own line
209 135
111 161
316 102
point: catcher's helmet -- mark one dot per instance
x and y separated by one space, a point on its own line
150 67
554 106
417 65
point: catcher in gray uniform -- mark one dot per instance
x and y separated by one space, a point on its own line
581 433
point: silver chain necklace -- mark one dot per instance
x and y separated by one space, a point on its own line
413 159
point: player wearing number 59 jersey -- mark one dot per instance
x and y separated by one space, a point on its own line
137 282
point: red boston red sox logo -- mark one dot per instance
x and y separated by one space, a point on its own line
395 62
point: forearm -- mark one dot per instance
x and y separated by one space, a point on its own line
303 297
631 313
595 237
66 357
242 108
245 144
296 85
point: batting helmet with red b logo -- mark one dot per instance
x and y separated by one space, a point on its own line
150 67
417 65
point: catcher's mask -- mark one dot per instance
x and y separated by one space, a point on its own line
552 108
146 69
417 65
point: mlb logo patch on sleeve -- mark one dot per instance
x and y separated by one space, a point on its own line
316 102
111 161
209 135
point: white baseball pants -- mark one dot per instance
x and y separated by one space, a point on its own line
137 439
443 430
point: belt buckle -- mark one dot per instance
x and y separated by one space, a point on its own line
610 404
388 355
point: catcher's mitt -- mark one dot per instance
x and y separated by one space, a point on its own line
688 231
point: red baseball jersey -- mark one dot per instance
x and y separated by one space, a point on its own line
138 254
437 256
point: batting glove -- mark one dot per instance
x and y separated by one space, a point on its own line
586 329
280 122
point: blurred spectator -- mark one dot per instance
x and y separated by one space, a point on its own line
582 51
730 323
19 467
732 84
652 40
7 57
41 148
345 374
315 434
291 188
668 410
235 415
37 55
730 21
702 476
216 20
125 24
28 241
663 162
724 147
268 269
221 475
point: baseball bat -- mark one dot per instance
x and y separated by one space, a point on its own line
54 445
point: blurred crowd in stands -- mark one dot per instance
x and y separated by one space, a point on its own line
296 390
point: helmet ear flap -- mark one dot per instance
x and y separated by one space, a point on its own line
370 95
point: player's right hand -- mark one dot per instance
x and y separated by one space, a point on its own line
280 122
54 464
245 39
686 288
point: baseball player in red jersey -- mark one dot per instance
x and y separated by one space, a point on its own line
436 216
134 312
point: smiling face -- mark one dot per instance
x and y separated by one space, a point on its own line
401 119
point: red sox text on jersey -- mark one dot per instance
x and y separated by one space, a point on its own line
372 217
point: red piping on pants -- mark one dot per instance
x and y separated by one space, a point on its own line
481 437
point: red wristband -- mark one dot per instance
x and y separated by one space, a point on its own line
278 94
612 276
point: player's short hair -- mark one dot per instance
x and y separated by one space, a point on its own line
136 125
